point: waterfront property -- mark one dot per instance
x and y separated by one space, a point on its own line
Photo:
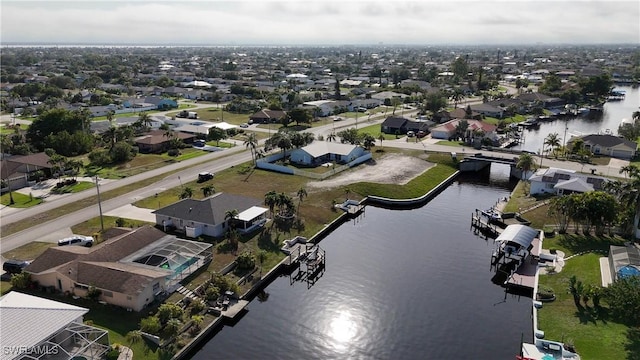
208 216
34 328
321 152
516 256
608 145
448 129
562 181
129 270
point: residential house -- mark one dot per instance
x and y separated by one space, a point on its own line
394 125
157 141
608 145
208 216
266 116
548 102
461 113
562 181
321 152
37 328
130 270
488 110
155 102
447 130
17 170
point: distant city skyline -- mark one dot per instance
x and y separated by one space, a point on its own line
317 22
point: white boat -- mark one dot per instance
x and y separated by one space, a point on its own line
546 350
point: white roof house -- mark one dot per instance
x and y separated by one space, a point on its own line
563 181
34 328
319 152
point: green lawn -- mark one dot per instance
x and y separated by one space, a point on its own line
10 129
450 143
513 119
374 130
28 251
92 226
20 200
77 187
216 114
593 332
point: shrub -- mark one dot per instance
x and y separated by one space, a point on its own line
173 152
120 222
113 354
246 260
197 307
94 293
151 325
169 311
21 280
212 292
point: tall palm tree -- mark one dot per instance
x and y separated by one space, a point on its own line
380 138
76 166
230 215
144 119
251 141
552 141
457 95
525 163
110 115
271 200
331 137
302 193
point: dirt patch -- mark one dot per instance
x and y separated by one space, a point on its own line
390 169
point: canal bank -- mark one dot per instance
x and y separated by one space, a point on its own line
398 284
286 264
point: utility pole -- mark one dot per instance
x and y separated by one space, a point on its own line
99 203
564 138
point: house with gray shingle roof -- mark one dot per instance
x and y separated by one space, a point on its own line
609 145
206 216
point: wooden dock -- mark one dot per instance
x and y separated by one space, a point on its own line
484 226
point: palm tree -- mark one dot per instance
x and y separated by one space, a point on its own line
331 137
110 115
271 200
457 95
134 337
552 141
525 163
208 190
262 256
187 192
630 171
230 215
380 138
75 165
251 141
369 141
302 193
144 119
111 136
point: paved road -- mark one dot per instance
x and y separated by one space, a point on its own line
213 162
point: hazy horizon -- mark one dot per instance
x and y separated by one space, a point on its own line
319 23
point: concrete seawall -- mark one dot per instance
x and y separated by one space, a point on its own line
410 203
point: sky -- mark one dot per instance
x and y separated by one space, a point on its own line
319 22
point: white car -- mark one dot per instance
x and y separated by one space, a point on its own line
244 125
80 240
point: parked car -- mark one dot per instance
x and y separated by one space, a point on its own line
199 143
421 134
204 176
410 133
15 266
79 240
244 125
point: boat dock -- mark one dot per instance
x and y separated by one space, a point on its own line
234 307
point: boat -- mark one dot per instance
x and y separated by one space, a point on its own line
546 350
492 214
530 123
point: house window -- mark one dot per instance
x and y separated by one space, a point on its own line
107 293
81 286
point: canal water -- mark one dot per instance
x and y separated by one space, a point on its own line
610 119
398 284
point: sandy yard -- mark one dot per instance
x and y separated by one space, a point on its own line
390 169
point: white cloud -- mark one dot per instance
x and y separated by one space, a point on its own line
320 22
